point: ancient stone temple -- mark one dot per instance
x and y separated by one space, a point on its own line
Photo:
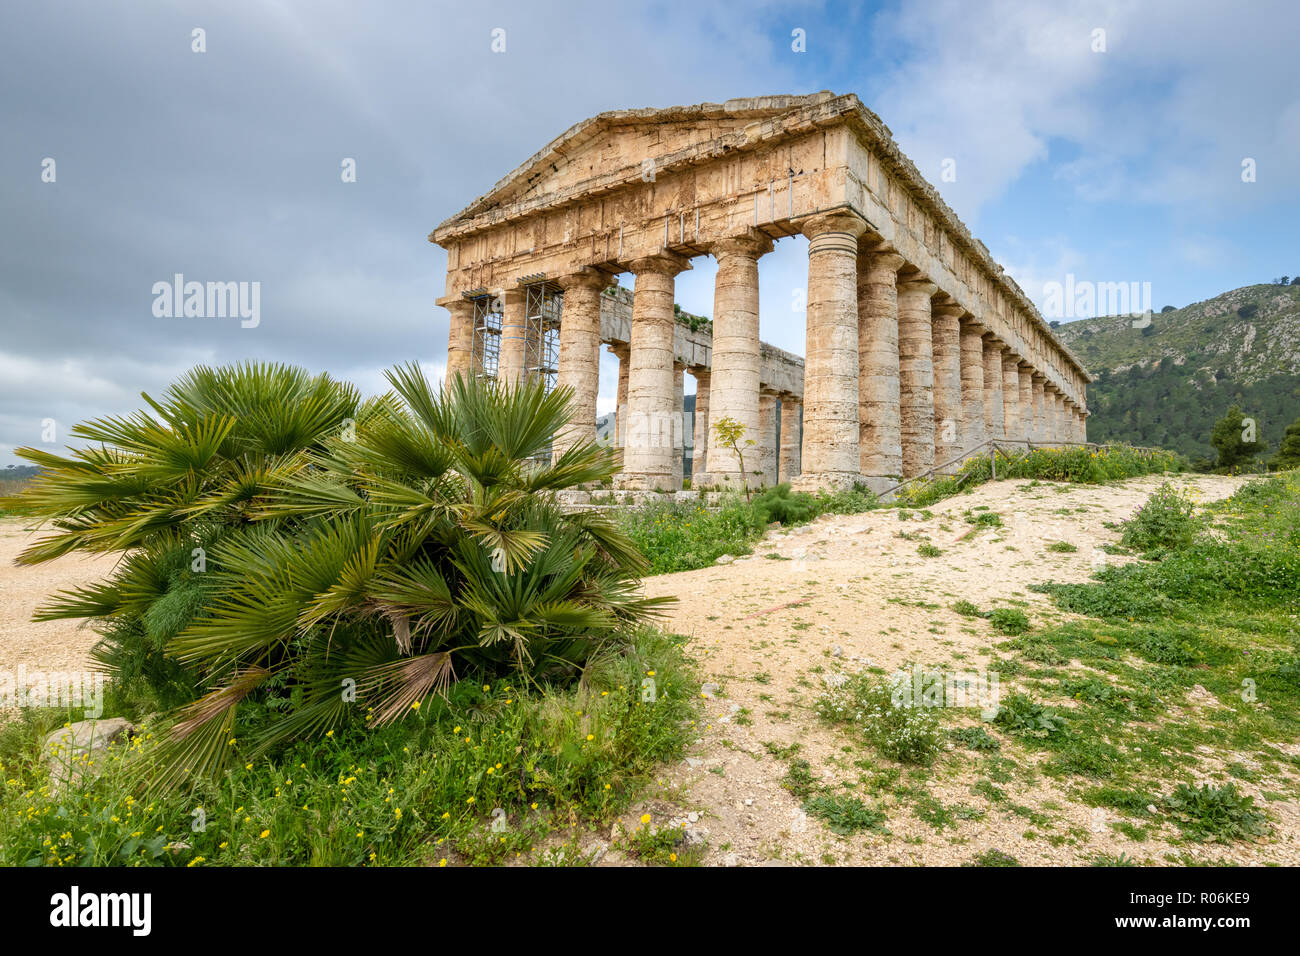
920 349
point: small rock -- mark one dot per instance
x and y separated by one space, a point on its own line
74 752
692 817
709 689
837 651
725 559
731 860
1151 808
694 837
599 854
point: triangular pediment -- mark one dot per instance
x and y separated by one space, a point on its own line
622 144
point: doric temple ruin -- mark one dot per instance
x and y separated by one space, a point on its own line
920 349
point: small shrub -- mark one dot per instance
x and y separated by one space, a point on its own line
1167 520
1021 715
1009 620
1062 547
799 779
902 732
1218 813
779 505
976 738
983 519
993 858
967 609
928 551
845 815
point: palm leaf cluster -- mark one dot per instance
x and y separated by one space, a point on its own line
295 558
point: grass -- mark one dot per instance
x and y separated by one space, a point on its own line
682 536
1191 653
534 762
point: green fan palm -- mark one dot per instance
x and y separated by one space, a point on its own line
357 556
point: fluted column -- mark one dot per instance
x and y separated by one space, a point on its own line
621 352
791 439
767 450
1011 396
948 411
1060 417
514 321
1050 424
830 440
460 338
653 422
733 390
1027 423
1040 408
700 427
1083 424
916 374
972 383
679 425
880 449
993 408
579 360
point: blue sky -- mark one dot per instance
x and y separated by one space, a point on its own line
1122 165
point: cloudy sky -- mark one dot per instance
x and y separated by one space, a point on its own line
224 165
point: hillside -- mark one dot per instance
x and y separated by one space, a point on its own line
1167 383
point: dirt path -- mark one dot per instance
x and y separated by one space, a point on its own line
854 594
52 645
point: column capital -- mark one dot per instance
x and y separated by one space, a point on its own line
947 310
880 263
751 243
969 321
663 263
1038 377
918 284
587 277
837 221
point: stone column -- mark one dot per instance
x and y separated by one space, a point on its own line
791 438
1027 423
679 426
948 411
733 390
653 422
621 352
916 374
1061 434
880 450
972 383
579 361
700 427
767 450
1050 423
460 339
993 408
514 321
1011 396
1040 409
830 439
1083 424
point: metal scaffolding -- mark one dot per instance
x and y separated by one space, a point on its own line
486 353
543 303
